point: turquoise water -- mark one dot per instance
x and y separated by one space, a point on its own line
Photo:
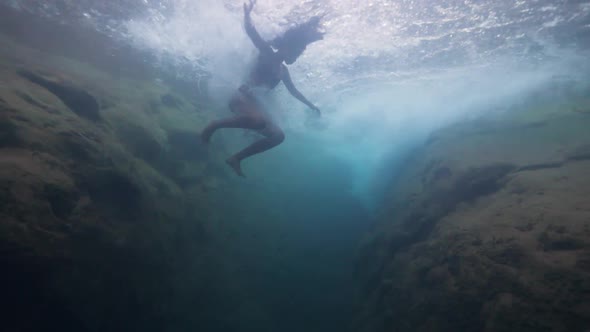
280 248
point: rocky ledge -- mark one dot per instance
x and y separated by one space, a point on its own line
487 229
104 192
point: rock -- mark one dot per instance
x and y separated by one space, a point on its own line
484 232
62 201
115 194
186 144
481 181
34 102
580 153
9 136
79 101
442 173
76 148
557 239
93 234
141 143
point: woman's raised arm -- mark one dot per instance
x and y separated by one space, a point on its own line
260 43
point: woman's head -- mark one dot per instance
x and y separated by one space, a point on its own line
293 42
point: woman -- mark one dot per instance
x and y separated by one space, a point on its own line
268 72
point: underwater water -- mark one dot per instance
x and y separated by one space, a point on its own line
426 184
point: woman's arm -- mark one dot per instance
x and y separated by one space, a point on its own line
286 77
260 43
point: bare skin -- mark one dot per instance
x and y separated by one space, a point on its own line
268 72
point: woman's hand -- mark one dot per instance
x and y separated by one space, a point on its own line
316 121
248 7
317 110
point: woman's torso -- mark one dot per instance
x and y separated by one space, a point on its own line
266 72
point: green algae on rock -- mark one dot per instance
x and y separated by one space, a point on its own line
91 210
486 229
78 100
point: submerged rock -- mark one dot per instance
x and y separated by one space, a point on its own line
580 153
9 136
480 181
115 194
94 236
187 145
485 230
62 200
141 143
79 101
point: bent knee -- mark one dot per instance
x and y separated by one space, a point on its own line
278 136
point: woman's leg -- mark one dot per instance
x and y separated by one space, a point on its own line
248 117
246 121
274 136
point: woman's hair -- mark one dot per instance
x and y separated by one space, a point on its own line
299 36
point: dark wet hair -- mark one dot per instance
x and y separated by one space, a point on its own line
299 36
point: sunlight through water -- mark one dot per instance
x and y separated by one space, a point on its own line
387 73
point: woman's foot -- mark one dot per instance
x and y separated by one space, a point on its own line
234 163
